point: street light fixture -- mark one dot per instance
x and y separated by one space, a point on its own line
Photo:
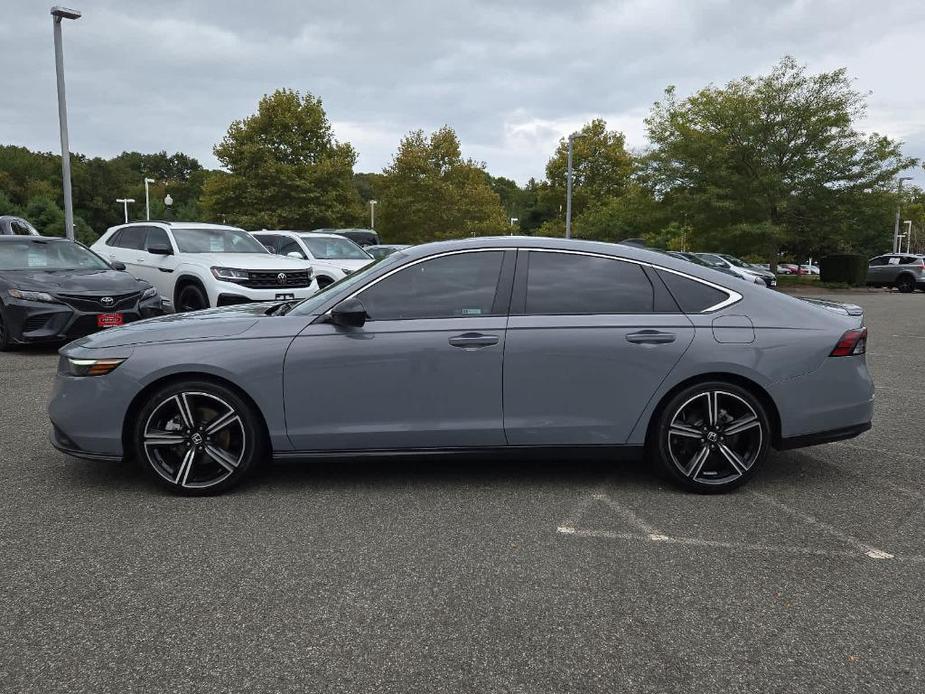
514 221
568 186
896 241
147 199
59 13
372 214
125 202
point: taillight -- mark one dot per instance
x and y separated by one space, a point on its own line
851 343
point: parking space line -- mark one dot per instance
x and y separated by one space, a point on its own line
869 550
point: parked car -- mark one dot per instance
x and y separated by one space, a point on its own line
16 226
478 345
904 271
738 267
54 290
332 256
381 251
693 258
196 266
361 237
809 269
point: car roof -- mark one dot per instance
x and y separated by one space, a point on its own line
32 237
176 225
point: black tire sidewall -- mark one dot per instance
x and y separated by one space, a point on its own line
658 444
253 428
196 289
906 285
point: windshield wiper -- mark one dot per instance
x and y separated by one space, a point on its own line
282 308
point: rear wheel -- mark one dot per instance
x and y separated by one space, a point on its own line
905 284
192 298
198 437
712 437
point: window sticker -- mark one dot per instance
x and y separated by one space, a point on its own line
37 258
894 261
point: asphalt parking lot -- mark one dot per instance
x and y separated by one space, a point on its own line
555 576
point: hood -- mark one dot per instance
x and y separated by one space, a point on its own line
93 282
199 325
247 261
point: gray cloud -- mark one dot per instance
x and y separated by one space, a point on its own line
511 77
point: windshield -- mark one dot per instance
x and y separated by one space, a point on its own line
315 301
737 262
216 241
334 248
35 254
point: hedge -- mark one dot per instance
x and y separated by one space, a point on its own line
847 268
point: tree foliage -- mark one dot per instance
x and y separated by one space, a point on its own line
429 192
284 168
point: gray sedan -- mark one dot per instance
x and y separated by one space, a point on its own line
483 345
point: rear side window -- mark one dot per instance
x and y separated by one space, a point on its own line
114 239
132 237
692 296
566 283
454 286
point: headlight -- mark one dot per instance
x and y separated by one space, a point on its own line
92 367
30 296
230 274
149 293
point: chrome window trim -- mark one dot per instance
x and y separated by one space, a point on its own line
732 296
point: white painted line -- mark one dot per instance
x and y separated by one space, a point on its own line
868 550
628 515
744 546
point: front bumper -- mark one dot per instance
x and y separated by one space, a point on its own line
229 293
36 321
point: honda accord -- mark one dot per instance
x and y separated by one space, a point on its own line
481 345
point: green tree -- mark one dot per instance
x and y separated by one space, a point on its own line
778 152
429 192
284 168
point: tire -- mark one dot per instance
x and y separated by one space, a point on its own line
905 284
711 453
324 282
224 443
5 340
192 298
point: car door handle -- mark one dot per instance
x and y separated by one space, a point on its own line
474 340
651 337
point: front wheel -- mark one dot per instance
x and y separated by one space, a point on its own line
711 437
198 437
192 298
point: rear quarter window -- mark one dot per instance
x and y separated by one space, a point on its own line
692 296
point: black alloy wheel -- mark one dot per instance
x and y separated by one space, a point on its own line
198 438
712 437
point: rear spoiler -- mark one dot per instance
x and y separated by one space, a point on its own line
848 310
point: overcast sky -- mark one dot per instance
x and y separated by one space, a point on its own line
510 77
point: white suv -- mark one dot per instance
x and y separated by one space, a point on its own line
196 266
332 256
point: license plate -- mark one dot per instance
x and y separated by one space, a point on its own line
109 320
284 297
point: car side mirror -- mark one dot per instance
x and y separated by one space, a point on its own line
350 313
296 255
117 265
160 249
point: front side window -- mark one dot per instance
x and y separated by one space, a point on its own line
461 285
157 237
216 241
334 248
48 255
21 227
567 283
879 260
132 238
288 246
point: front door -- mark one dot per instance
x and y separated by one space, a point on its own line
423 372
588 343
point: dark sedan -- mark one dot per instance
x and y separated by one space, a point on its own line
54 290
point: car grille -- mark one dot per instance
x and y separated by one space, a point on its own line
277 279
82 302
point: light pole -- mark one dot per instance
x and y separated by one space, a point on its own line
568 186
514 221
147 199
898 202
59 13
125 202
168 201
908 224
372 214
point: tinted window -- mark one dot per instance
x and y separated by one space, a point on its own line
132 237
21 228
288 246
568 283
157 237
114 239
454 286
692 296
881 260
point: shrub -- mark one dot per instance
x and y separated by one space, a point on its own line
844 268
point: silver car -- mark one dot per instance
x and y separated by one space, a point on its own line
904 271
483 345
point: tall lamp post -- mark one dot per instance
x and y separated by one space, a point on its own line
147 199
908 224
568 186
372 214
896 248
59 13
125 202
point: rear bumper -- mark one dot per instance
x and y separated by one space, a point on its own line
829 436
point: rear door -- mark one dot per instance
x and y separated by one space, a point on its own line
127 246
589 340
